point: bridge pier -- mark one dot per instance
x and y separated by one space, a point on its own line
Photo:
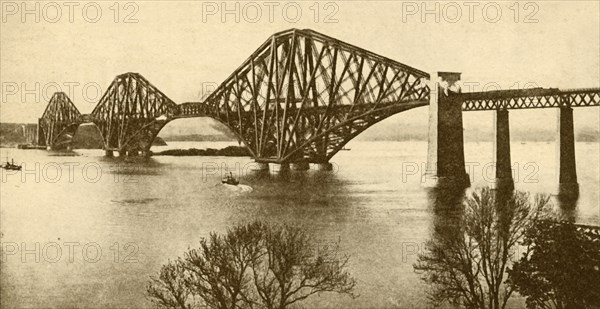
122 152
445 153
504 179
325 166
281 167
300 166
108 153
261 166
567 170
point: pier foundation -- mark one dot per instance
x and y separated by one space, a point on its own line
567 170
260 166
445 154
300 166
326 166
504 179
108 153
281 167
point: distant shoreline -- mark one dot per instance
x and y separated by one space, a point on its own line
211 151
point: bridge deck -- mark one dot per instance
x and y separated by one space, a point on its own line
530 98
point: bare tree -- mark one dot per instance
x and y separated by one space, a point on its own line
466 263
251 266
169 290
292 268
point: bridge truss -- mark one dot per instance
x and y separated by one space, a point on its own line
301 96
530 98
58 124
131 113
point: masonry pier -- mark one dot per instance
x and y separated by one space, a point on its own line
300 166
504 179
445 154
326 166
260 166
567 171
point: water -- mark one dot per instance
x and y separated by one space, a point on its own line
142 213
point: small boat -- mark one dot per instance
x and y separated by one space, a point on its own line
230 180
11 165
346 149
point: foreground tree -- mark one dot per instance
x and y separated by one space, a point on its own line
560 267
465 262
251 266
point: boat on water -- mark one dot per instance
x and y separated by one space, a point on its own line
11 165
345 149
230 180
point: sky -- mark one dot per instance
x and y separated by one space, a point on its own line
183 47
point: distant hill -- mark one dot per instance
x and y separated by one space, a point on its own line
199 138
87 136
399 132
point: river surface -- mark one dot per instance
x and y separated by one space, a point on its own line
90 230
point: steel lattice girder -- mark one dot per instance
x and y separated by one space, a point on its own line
303 95
131 112
59 122
530 98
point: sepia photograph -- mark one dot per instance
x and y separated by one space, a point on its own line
189 154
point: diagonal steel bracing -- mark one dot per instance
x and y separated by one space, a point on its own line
58 124
530 98
302 95
131 113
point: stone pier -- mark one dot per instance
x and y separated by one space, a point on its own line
260 166
567 171
300 166
108 153
324 166
504 179
445 154
281 167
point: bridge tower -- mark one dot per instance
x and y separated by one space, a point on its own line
58 124
301 96
130 114
445 154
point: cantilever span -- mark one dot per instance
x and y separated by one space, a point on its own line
59 122
300 97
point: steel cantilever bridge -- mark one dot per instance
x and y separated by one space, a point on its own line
300 97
